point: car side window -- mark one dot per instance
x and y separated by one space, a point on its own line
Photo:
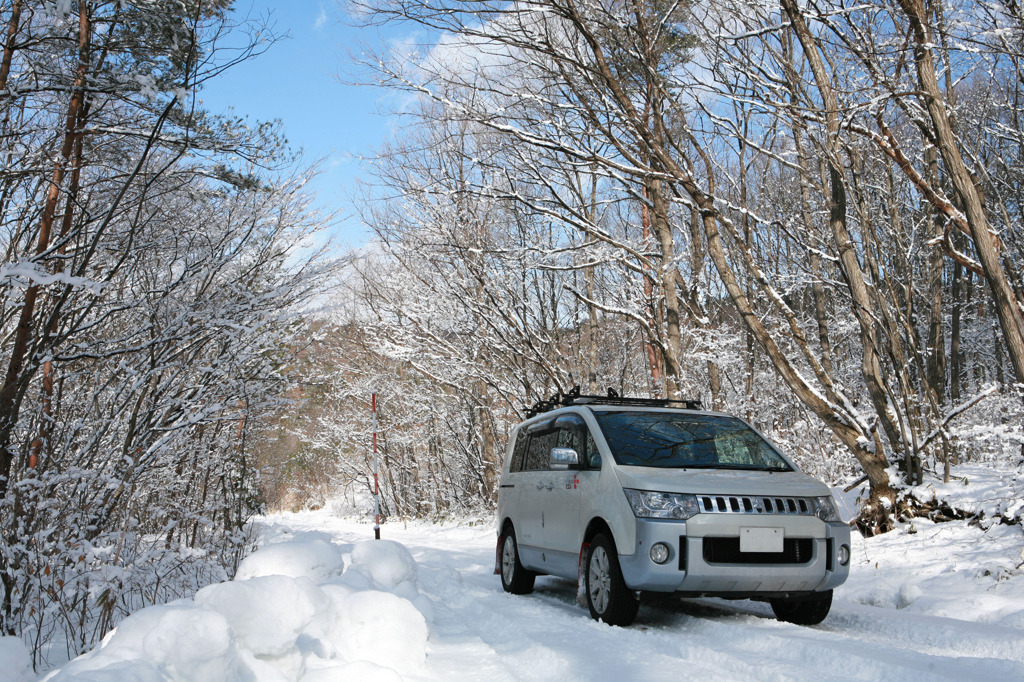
573 433
519 452
538 452
593 458
570 437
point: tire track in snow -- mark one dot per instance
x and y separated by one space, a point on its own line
891 628
743 640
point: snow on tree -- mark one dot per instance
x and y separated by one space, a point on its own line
155 260
764 199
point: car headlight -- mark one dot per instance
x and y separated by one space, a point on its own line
651 505
825 509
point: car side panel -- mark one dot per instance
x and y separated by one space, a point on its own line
526 515
517 504
605 500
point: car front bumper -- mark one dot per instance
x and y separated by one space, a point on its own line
705 557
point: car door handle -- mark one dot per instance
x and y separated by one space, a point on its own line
548 486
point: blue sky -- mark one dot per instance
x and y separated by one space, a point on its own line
296 80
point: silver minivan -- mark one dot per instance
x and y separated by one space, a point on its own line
635 496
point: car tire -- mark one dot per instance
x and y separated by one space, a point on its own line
514 578
608 597
803 610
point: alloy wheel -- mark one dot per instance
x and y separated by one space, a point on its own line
508 559
599 583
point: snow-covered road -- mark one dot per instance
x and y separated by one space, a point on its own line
480 632
323 602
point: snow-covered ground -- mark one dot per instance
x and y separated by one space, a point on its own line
323 601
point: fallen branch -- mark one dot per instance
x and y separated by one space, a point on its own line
856 483
958 410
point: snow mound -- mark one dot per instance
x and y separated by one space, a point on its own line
267 614
386 566
15 660
381 628
383 565
292 613
315 559
170 642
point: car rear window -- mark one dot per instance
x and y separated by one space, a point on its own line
686 441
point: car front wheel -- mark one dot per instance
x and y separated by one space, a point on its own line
803 610
608 597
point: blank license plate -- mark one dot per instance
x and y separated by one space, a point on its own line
761 539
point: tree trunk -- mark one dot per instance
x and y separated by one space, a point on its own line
593 327
17 376
859 294
592 332
42 441
955 357
1007 307
817 290
12 34
654 356
696 270
667 276
936 349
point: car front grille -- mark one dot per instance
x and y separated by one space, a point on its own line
744 504
727 551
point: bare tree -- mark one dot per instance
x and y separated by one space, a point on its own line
768 143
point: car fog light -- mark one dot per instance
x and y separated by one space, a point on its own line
659 553
844 555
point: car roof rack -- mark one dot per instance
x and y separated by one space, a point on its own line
574 397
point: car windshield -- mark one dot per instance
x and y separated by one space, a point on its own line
686 441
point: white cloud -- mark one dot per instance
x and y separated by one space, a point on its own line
321 18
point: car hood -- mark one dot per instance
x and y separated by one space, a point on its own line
721 481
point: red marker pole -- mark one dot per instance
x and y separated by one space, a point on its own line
376 481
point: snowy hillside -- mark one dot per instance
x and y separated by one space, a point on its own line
323 601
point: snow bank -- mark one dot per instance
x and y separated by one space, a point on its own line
15 660
949 570
966 571
170 642
980 489
388 567
292 613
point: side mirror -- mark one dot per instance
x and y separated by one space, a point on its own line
563 458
